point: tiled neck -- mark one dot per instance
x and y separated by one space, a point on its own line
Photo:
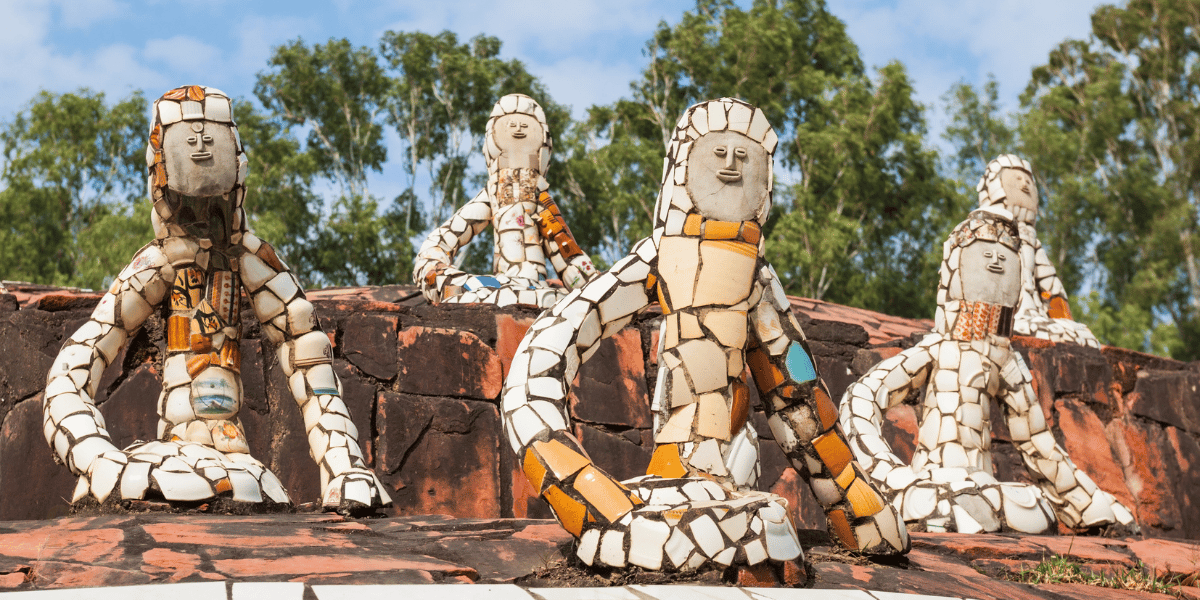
712 229
978 319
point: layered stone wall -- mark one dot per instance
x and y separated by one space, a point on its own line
423 385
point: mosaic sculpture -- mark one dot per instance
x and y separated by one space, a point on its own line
527 225
723 310
1043 311
194 273
966 362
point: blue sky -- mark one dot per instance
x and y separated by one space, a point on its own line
586 51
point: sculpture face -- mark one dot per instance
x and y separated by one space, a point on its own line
519 137
727 176
991 273
1019 189
201 158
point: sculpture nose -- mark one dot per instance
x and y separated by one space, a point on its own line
730 161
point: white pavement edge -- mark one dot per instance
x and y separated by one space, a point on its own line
220 590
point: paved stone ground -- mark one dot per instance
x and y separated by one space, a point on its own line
326 556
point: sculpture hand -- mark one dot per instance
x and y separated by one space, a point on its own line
355 491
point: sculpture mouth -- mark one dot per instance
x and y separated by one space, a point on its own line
198 156
729 175
996 268
520 135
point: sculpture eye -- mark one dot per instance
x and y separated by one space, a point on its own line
719 150
191 139
740 153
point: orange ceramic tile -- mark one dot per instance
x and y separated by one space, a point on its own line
609 498
833 451
156 141
691 226
176 94
739 409
200 342
826 411
665 462
721 230
863 499
841 527
267 254
160 175
178 331
534 471
195 92
766 375
662 301
651 281
196 364
751 232
561 460
788 390
223 486
1059 309
673 516
570 513
231 356
846 478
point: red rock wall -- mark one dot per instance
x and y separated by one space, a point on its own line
423 385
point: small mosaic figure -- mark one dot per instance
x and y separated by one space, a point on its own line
527 224
723 310
1043 311
194 273
965 363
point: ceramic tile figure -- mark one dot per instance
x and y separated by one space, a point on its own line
723 310
527 225
194 273
1042 311
963 364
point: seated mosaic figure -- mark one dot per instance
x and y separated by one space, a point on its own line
527 225
193 274
723 309
963 364
1042 311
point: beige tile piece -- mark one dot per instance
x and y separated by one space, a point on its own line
703 360
677 268
689 326
726 276
681 392
679 427
728 326
712 418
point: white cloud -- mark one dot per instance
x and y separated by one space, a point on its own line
185 55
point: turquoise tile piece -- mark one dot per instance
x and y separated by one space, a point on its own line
800 364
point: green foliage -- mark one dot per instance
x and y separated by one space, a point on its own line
71 205
1064 569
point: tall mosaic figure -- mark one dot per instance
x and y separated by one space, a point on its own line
194 273
527 225
723 309
1042 311
966 362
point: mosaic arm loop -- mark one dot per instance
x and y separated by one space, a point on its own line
1049 286
535 392
804 423
306 357
73 425
1078 502
432 269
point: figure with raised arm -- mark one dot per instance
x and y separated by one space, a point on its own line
527 226
1042 311
194 273
723 310
966 362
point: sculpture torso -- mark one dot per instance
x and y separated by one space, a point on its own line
518 251
202 382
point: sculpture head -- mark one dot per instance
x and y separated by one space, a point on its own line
197 166
980 274
517 136
1009 181
718 165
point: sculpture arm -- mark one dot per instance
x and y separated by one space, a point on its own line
432 269
73 425
306 357
864 402
1077 500
805 424
573 265
1049 286
534 403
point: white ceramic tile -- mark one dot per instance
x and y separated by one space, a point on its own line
214 590
809 594
417 592
608 593
282 590
689 592
899 596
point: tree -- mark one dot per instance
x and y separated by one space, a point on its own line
73 206
857 184
1112 122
